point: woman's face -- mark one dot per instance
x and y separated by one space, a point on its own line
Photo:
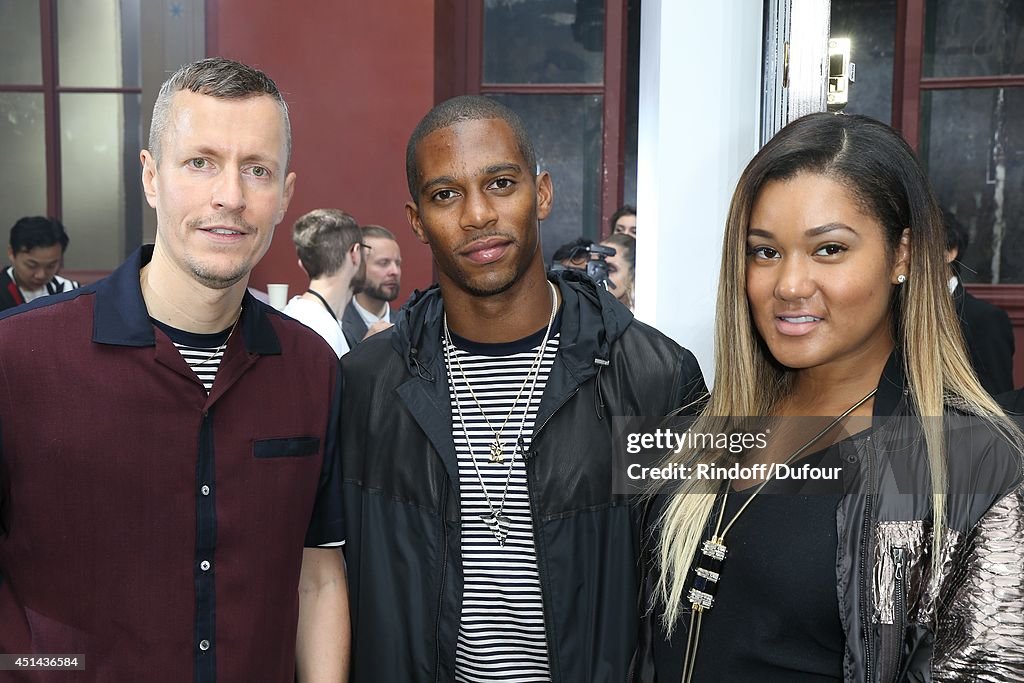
820 276
620 275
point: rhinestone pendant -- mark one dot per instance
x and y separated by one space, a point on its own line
497 452
498 524
706 574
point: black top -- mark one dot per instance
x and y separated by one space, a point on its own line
776 615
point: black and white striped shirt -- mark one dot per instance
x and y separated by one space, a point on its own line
501 630
202 352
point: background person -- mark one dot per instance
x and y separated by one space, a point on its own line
623 221
622 268
36 252
369 312
986 328
328 244
833 301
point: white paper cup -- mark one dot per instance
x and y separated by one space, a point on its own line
278 295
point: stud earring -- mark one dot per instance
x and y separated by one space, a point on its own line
901 279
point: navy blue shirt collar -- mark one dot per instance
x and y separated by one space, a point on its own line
120 317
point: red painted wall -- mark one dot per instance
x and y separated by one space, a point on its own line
357 76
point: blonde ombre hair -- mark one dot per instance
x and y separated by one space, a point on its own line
881 172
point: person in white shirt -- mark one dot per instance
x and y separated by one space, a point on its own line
329 246
370 310
36 252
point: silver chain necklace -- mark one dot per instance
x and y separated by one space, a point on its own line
495 520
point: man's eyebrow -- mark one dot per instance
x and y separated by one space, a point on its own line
502 168
209 151
440 180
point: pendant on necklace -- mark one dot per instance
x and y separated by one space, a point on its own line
497 452
706 574
499 525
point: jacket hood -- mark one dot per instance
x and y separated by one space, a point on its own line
591 320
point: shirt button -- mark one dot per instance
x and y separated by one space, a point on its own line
204 565
205 490
204 645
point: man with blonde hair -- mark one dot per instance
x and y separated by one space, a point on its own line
178 517
328 242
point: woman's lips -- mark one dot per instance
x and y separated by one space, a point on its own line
796 325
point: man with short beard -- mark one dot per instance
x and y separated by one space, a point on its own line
328 242
176 515
370 309
485 542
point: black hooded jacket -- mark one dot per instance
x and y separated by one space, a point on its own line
402 489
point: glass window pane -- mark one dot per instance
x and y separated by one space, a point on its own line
543 41
566 132
871 27
973 146
973 38
23 173
100 177
21 59
98 43
632 109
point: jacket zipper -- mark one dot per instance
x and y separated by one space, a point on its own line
440 592
866 618
548 632
899 608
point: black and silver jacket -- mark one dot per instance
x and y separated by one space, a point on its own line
901 620
402 489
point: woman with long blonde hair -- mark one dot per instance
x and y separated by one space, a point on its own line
832 302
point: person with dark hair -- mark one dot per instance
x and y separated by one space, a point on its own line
621 268
176 514
832 303
369 312
485 540
986 328
36 252
573 254
623 221
328 242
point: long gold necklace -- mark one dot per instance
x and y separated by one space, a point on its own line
714 551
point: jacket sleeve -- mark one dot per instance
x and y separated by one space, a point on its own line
980 630
691 391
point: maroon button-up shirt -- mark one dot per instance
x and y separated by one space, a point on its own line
153 528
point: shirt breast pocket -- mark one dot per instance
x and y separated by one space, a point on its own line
293 447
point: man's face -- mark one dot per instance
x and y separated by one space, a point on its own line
479 206
383 261
33 268
221 185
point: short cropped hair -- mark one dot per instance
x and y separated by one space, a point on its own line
457 110
216 77
323 238
378 231
31 232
